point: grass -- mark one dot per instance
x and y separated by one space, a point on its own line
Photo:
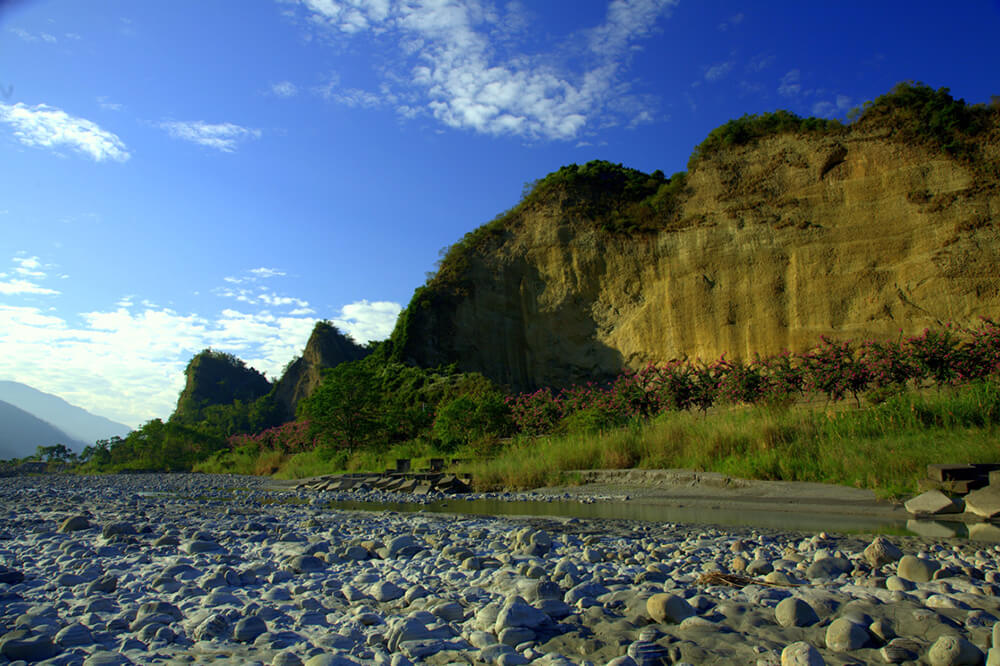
884 447
284 465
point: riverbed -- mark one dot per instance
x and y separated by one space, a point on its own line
218 569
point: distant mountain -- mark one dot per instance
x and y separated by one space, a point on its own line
75 422
22 433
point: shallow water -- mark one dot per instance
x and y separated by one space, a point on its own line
700 515
658 512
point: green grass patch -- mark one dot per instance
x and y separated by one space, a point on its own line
884 447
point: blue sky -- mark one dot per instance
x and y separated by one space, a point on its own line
184 174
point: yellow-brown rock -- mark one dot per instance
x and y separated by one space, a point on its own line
851 234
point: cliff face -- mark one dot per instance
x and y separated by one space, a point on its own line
852 234
326 348
216 378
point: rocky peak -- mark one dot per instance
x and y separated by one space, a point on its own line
217 378
327 347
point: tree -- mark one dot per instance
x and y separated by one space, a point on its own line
344 410
54 453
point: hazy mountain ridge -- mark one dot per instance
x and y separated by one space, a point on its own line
74 422
22 433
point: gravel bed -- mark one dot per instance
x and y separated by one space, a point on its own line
182 569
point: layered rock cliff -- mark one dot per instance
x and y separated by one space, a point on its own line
326 348
856 232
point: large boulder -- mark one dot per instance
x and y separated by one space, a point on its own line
933 503
984 502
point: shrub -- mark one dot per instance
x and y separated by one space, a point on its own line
592 420
749 128
924 115
471 418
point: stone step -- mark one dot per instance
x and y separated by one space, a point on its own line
942 473
956 487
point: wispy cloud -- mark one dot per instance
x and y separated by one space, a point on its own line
838 107
26 36
354 97
248 288
760 62
225 137
45 126
103 102
263 272
717 72
457 76
790 85
732 21
284 89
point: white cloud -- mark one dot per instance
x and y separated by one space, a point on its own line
716 72
284 89
127 363
790 86
365 321
457 76
263 272
27 262
27 270
48 127
19 286
220 136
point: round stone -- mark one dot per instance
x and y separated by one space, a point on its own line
24 645
793 612
829 567
305 564
916 569
801 654
843 635
384 591
664 607
74 523
954 651
248 629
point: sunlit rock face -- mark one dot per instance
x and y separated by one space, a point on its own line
852 235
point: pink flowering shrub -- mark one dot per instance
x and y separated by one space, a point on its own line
836 369
292 437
